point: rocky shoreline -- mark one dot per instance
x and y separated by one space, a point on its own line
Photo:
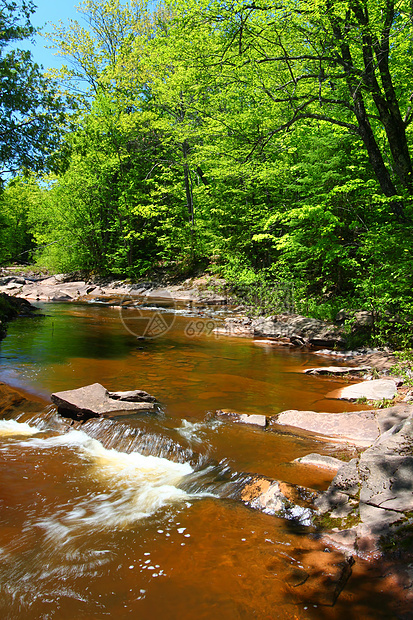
202 294
367 510
11 308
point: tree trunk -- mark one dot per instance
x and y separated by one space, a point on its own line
188 185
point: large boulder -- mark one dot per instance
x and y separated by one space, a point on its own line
95 401
373 494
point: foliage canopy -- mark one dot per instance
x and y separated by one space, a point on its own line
267 141
31 113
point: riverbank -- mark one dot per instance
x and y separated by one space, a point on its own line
249 316
203 295
12 307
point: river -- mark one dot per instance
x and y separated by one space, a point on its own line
136 516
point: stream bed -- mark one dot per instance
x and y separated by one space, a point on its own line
135 516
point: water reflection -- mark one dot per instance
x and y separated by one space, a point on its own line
73 345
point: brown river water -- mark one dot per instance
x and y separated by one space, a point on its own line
136 516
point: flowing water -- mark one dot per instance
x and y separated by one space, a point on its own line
138 515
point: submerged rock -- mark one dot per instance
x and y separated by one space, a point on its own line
320 460
242 418
95 401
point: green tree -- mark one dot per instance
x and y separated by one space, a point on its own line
31 113
344 63
18 202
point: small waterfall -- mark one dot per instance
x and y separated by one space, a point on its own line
217 479
143 470
132 437
129 438
45 420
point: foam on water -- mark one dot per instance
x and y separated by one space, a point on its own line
197 431
129 486
11 427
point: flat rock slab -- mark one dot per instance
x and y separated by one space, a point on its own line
359 427
336 370
94 401
372 390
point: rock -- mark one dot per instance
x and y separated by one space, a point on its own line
320 460
360 318
13 307
391 417
359 427
236 326
210 299
94 401
243 418
340 499
4 281
371 390
282 499
256 420
12 401
364 318
345 540
307 330
61 296
380 360
11 286
376 489
342 315
336 370
133 396
347 479
279 342
398 380
409 397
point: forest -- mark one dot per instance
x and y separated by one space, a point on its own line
255 141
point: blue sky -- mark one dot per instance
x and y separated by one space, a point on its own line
50 11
